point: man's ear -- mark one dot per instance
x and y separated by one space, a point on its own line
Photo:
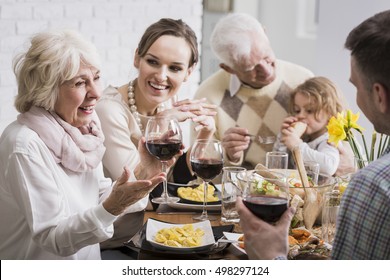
227 68
382 97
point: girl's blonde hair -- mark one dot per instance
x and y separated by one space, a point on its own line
53 58
323 95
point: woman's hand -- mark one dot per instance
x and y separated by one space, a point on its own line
149 166
196 109
126 193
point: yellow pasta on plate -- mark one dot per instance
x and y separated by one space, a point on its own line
167 236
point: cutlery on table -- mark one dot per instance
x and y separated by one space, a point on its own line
262 140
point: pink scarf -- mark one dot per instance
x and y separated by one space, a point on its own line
77 149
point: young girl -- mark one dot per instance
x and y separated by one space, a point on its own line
312 104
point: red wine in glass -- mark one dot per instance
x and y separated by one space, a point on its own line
163 149
163 141
206 159
207 169
266 207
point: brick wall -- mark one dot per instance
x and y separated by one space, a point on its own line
115 26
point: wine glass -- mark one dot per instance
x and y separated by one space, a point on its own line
266 194
206 161
163 141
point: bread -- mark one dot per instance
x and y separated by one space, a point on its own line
299 128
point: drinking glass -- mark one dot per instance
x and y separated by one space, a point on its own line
330 211
266 194
231 189
206 161
277 161
163 141
313 170
361 163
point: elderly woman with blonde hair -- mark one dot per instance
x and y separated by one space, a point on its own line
55 202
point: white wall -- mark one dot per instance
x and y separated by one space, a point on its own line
282 22
336 19
115 26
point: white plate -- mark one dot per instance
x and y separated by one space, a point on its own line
154 226
185 206
234 236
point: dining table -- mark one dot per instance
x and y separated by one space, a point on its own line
183 212
170 215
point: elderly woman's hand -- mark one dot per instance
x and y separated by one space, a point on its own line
126 193
149 166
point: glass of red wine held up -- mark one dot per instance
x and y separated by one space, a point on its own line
266 194
163 141
206 161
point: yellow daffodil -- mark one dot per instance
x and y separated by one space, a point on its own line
340 128
336 130
352 121
341 118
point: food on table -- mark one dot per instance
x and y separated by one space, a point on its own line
342 183
297 183
241 244
300 235
263 187
185 236
299 128
302 242
297 202
305 244
197 194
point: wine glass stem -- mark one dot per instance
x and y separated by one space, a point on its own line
165 187
205 187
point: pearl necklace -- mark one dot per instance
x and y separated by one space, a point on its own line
133 107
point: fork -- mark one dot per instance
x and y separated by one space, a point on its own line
262 140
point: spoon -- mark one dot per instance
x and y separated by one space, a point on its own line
311 207
262 140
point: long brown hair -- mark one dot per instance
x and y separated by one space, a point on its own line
167 26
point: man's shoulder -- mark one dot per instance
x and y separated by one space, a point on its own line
377 172
216 84
287 66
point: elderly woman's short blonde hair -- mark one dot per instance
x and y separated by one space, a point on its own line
53 58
